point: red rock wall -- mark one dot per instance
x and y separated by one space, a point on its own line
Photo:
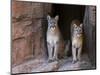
27 32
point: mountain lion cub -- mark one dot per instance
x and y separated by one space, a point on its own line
53 38
77 39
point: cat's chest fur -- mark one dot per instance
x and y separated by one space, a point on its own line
77 40
53 36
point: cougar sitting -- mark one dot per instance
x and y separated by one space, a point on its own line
53 38
77 39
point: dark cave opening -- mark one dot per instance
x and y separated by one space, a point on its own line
67 13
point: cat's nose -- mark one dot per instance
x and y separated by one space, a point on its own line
52 27
80 30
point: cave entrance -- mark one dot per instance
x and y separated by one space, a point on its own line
66 14
87 16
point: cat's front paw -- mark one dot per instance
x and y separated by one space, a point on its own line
50 60
74 61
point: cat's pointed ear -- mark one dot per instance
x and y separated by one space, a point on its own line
81 25
48 17
57 17
75 25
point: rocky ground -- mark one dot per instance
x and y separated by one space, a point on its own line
32 66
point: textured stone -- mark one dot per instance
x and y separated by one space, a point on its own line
27 33
27 66
18 29
46 67
41 65
92 13
90 32
21 8
37 10
21 50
